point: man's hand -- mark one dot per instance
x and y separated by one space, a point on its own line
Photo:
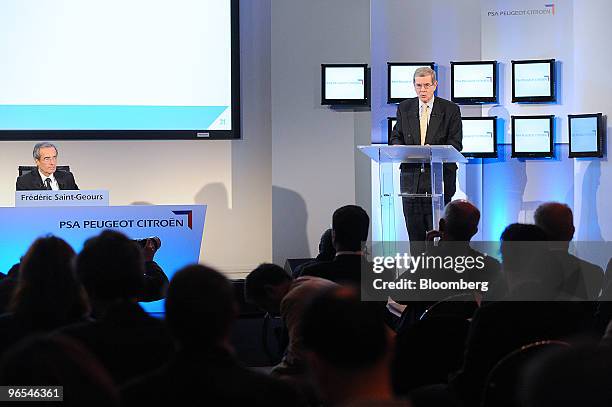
432 234
149 250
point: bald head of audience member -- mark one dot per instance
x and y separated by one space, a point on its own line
460 221
557 221
348 347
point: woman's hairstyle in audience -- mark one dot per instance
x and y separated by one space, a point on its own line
58 360
200 307
47 292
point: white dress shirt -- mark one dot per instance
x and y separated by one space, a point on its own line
54 184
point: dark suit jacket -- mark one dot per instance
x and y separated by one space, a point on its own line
344 268
501 327
126 340
32 181
444 128
207 377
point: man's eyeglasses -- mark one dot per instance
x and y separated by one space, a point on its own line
423 85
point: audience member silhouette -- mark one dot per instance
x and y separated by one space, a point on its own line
7 285
349 350
43 360
427 352
350 226
579 277
47 294
579 376
273 290
456 229
523 317
124 337
200 309
327 252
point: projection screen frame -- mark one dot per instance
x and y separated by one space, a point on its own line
390 65
234 133
552 82
476 100
494 153
534 154
601 128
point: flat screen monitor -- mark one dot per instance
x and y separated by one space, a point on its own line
533 80
479 137
390 125
532 136
474 82
586 135
112 69
344 84
400 79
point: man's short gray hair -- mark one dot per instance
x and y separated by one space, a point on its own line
424 71
38 146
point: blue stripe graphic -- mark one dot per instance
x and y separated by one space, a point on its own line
81 117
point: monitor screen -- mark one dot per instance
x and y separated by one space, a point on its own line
586 135
474 82
400 79
533 81
390 125
532 136
113 69
479 137
344 84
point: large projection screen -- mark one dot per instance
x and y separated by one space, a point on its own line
117 69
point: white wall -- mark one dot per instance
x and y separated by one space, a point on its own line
313 147
592 91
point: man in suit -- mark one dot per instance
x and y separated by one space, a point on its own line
45 176
350 226
420 121
579 278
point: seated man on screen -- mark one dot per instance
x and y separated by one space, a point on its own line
45 175
425 120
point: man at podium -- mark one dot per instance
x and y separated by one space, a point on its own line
45 175
425 120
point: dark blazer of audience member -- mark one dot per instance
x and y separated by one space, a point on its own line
575 376
47 295
350 226
526 314
327 252
349 349
456 229
45 360
123 337
45 176
579 277
200 310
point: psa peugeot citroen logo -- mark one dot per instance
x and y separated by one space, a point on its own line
189 217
